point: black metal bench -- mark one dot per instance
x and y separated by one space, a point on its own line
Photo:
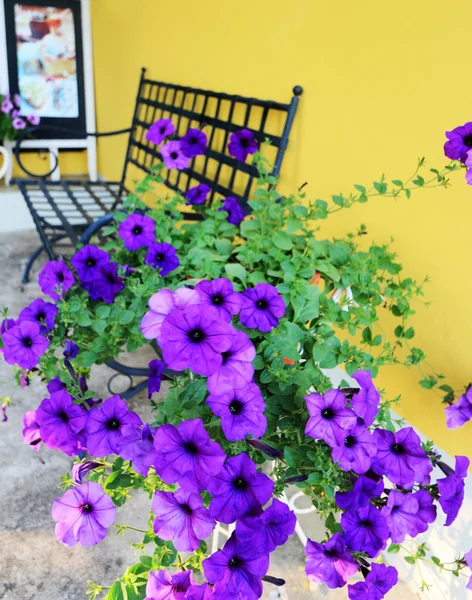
72 211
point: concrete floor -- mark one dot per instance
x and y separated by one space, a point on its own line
33 565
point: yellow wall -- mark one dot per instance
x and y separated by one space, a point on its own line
382 80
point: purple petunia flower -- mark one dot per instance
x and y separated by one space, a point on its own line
378 582
182 519
193 143
164 586
33 119
197 194
173 156
7 105
83 514
262 307
361 494
137 445
161 304
6 324
468 173
365 530
42 313
236 370
18 123
366 402
330 563
269 530
24 345
234 210
30 431
238 490
220 294
105 425
426 511
61 422
329 418
461 412
236 570
186 455
401 514
158 132
71 349
356 450
451 490
242 143
137 231
241 412
106 285
400 457
55 276
156 368
88 260
162 256
195 339
79 470
459 142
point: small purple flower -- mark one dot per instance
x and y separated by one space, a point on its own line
186 455
197 194
269 530
378 582
461 412
15 113
241 412
330 563
33 119
401 514
242 143
356 450
234 210
7 105
365 530
262 307
106 284
164 586
55 276
236 369
6 324
137 231
173 156
158 132
329 418
161 304
459 142
426 511
56 385
42 313
195 339
137 445
220 294
451 490
88 260
182 519
238 490
18 123
24 345
30 431
362 493
156 368
193 143
83 514
400 457
162 256
79 470
105 425
61 422
71 349
366 402
236 570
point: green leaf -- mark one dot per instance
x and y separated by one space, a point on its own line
360 188
394 548
327 269
193 393
125 317
339 200
409 333
409 559
224 246
282 240
115 592
436 560
86 359
84 319
236 271
103 311
307 306
292 458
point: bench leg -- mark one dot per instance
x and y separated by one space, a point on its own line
29 264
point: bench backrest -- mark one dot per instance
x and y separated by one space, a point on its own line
220 114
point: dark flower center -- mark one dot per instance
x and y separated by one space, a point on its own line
160 257
235 563
40 316
186 508
217 299
395 509
112 424
60 276
397 449
162 129
192 141
191 448
327 413
468 140
244 142
137 229
236 407
110 278
331 553
240 484
90 262
226 356
179 589
196 335
350 441
63 416
262 304
365 523
174 155
87 508
27 342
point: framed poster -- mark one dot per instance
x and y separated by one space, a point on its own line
46 62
